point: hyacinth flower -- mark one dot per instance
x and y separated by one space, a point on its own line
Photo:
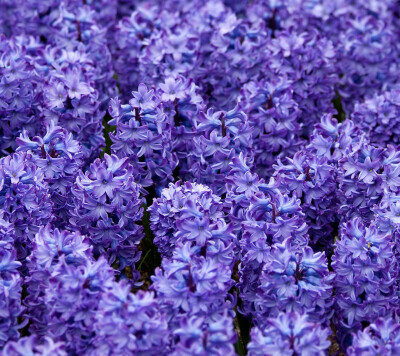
366 277
10 297
34 346
241 185
48 248
128 323
256 205
191 283
387 221
315 173
382 337
221 136
367 55
194 280
314 181
60 86
294 279
156 129
196 336
193 289
7 236
144 134
71 98
24 198
335 140
72 297
289 334
143 26
365 174
84 26
72 62
206 41
20 94
59 157
107 206
378 116
273 115
261 216
52 20
190 212
295 54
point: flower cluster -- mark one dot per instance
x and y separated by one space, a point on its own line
274 115
49 248
10 296
65 76
194 281
106 206
60 157
381 337
294 279
366 174
261 216
178 177
32 346
368 52
311 179
150 130
20 87
288 334
129 323
191 213
378 116
25 201
366 275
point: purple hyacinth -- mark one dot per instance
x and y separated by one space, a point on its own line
289 334
261 216
382 337
190 212
366 173
189 283
20 87
294 279
335 140
314 181
274 116
48 248
107 205
366 276
197 336
130 323
378 117
72 296
10 297
32 345
193 289
24 198
59 157
366 57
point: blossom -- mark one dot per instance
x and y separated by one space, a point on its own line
24 198
288 333
32 346
59 157
366 273
294 279
107 204
10 297
185 213
129 321
382 336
